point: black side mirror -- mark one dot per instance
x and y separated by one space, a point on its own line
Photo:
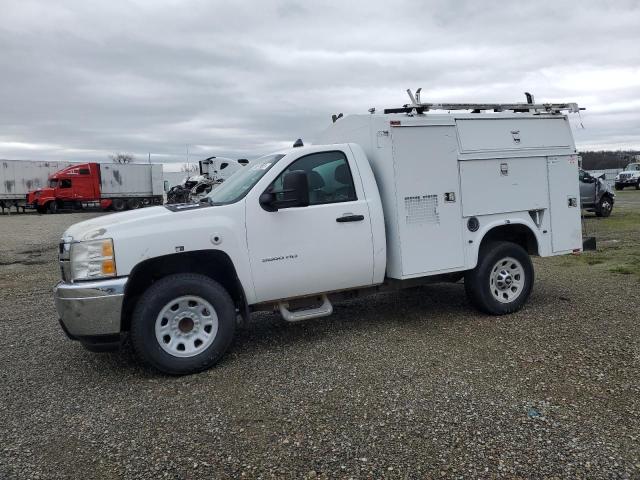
294 193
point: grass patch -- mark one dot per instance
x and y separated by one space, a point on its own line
622 270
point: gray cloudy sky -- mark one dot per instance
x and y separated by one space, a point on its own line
82 79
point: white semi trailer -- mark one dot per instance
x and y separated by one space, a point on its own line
384 201
19 177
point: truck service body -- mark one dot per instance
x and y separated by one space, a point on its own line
104 185
383 201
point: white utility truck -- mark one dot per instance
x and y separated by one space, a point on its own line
385 201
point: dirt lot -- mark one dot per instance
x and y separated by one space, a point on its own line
408 385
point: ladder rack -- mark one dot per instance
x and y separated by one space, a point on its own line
416 107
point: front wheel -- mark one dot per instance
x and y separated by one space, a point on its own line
183 324
503 279
604 207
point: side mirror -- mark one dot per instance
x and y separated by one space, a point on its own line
294 193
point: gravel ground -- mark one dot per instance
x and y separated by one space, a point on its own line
408 385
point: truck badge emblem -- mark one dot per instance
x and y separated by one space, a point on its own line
516 136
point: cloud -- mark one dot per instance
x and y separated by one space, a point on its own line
81 80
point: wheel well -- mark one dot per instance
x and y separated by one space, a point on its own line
214 264
516 233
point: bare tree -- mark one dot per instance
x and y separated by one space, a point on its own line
122 158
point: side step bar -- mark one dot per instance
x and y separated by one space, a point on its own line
323 310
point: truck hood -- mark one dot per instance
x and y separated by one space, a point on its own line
102 227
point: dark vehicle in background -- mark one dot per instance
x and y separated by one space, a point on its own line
595 194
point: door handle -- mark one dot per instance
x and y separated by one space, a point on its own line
350 218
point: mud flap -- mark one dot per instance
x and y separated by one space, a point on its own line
589 244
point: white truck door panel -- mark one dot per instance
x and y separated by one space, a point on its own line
306 250
427 198
564 201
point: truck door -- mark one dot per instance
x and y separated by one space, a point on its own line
322 247
587 188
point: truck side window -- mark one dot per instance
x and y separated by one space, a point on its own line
65 183
329 177
84 171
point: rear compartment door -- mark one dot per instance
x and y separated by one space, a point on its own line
564 201
428 198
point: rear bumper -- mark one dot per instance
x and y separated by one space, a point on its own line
90 309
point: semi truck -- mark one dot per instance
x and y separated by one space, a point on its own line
102 185
383 201
19 177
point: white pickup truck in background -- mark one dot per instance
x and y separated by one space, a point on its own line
629 177
383 201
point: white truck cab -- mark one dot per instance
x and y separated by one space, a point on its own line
383 201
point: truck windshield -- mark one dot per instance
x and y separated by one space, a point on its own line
632 167
53 183
239 184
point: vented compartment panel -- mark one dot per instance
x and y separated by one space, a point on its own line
421 209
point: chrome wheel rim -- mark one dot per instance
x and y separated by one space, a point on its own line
186 326
606 206
506 280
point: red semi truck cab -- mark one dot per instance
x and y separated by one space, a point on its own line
82 185
76 184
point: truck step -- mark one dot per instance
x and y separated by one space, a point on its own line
323 310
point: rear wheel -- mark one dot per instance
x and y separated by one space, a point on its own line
134 203
183 323
118 204
502 281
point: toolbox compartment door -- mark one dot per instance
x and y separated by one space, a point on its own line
427 198
564 201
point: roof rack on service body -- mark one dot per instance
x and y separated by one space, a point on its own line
416 107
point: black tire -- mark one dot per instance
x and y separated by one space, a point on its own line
118 204
134 203
619 186
638 185
480 283
159 296
52 207
40 209
604 207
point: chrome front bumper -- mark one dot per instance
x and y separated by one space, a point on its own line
88 309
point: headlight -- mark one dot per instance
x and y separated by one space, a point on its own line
92 259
